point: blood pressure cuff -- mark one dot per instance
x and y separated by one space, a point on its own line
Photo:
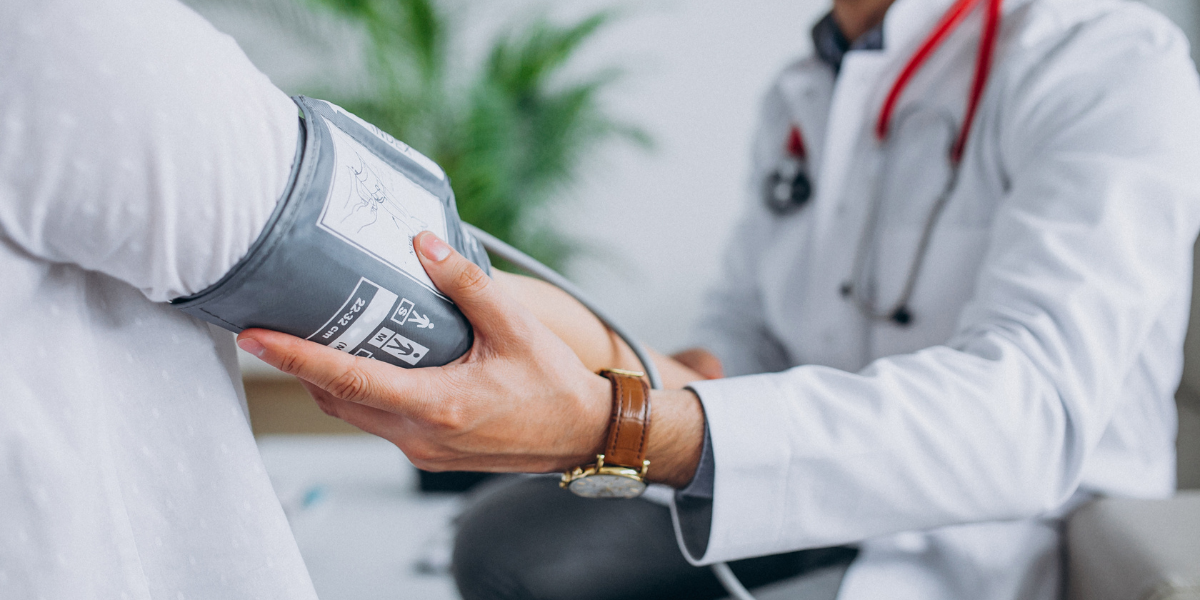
335 263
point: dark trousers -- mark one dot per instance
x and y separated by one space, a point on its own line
529 539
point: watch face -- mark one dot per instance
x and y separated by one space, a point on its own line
607 486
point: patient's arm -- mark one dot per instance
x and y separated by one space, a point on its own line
596 345
520 400
702 362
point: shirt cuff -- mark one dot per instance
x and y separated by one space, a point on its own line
693 504
701 486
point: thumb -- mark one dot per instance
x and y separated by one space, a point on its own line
476 295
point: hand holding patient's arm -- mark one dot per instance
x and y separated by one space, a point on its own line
519 400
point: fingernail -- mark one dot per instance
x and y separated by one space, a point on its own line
252 346
434 248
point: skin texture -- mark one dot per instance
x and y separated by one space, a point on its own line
856 17
521 400
595 345
701 361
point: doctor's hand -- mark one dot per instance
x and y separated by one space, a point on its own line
519 400
701 361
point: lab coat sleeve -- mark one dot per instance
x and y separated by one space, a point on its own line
732 322
137 141
1101 143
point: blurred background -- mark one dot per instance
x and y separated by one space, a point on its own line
609 139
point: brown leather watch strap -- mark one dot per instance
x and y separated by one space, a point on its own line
630 420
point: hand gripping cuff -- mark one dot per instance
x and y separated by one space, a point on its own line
335 263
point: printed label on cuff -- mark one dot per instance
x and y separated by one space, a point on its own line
398 346
358 322
367 307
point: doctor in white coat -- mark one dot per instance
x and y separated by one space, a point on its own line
971 322
1045 324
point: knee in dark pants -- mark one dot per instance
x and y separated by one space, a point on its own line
485 563
504 540
530 539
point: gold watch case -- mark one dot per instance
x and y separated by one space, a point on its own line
602 481
626 372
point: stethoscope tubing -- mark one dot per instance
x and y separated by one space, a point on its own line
900 312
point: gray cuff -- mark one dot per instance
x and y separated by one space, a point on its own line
335 262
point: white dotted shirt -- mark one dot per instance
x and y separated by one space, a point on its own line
140 155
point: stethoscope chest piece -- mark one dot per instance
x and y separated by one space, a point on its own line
788 187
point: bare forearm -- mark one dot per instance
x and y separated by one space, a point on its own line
595 345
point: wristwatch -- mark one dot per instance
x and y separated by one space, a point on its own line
621 471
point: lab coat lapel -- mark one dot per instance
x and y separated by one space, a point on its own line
839 212
858 92
848 171
845 190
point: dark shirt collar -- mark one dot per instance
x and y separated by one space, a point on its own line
831 44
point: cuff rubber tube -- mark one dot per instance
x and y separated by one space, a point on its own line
335 263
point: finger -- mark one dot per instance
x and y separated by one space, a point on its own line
323 400
342 376
479 298
406 435
701 361
389 426
369 419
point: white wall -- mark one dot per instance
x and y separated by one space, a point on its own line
1186 14
698 70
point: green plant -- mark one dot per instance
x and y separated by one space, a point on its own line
512 135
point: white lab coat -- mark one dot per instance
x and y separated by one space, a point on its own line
1049 316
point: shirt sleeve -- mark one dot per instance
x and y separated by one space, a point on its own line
692 509
137 141
1089 257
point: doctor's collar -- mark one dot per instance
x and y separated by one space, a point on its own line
831 44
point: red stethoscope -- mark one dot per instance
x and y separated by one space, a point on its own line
789 187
